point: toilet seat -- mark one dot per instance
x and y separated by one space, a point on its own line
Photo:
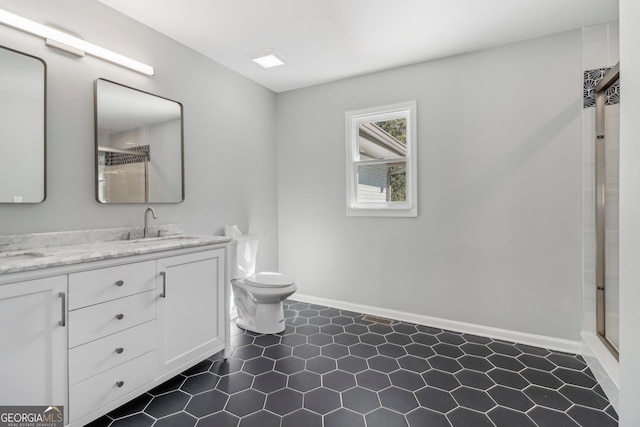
268 280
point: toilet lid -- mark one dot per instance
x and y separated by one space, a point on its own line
268 280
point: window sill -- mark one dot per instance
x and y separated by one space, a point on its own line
387 211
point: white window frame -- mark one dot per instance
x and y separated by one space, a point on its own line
353 120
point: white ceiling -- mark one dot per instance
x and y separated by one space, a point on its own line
326 40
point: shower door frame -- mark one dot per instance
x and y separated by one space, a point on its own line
607 81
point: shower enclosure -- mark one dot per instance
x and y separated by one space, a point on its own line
607 189
123 176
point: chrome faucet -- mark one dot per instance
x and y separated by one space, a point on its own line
146 220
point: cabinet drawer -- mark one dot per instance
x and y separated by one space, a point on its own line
92 394
105 284
98 356
90 323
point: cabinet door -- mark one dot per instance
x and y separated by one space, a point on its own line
33 342
190 307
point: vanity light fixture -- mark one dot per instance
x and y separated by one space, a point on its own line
268 60
70 43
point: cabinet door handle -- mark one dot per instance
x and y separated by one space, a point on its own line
120 383
164 284
120 283
63 322
119 350
119 316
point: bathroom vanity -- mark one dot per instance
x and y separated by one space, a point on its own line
91 326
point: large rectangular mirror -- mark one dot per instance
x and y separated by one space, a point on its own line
22 127
139 146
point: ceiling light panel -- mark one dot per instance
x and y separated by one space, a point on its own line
269 61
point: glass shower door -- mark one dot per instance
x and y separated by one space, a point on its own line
607 211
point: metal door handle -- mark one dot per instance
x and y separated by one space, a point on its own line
164 284
63 322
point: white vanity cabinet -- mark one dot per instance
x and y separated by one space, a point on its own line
92 336
190 322
33 342
112 314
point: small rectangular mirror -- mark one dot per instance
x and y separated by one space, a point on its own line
139 146
22 127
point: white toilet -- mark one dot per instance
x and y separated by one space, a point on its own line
257 296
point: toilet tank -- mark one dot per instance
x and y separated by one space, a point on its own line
243 263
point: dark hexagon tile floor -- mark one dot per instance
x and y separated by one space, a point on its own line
332 368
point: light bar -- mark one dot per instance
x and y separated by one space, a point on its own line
47 33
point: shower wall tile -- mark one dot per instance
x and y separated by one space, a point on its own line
612 210
612 179
589 322
590 80
589 247
590 284
612 121
588 126
614 42
589 174
119 159
614 280
613 117
588 210
600 52
589 300
612 249
595 50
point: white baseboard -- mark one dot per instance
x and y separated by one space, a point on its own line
551 343
603 365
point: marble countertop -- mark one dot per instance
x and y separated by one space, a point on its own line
33 258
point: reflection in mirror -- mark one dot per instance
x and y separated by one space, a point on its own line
139 147
22 127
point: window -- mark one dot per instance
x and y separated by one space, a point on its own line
381 161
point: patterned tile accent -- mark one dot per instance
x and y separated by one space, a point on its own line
118 159
591 80
332 368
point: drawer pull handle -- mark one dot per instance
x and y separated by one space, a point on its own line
120 283
119 350
164 284
120 383
119 316
63 322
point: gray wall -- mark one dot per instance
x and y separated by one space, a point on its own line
498 237
229 129
629 214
